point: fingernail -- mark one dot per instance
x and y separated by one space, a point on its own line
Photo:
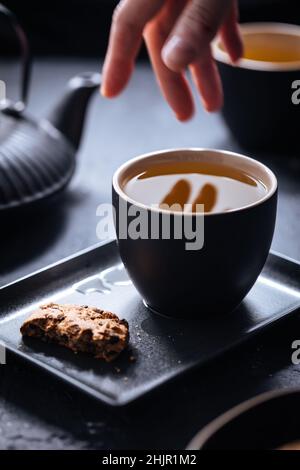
103 87
180 118
178 52
103 90
206 106
236 61
234 58
106 92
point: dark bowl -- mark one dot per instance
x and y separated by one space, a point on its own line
212 279
265 422
260 97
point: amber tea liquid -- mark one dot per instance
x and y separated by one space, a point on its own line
272 47
181 186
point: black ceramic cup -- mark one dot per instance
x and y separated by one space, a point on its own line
212 279
261 97
267 422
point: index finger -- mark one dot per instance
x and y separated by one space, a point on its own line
129 20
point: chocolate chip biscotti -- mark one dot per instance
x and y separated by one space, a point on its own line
79 328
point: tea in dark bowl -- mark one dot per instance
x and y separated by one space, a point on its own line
261 106
185 185
189 261
272 47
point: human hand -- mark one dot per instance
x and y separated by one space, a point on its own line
178 34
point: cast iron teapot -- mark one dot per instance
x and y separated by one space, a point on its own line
37 159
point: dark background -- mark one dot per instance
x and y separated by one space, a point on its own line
80 27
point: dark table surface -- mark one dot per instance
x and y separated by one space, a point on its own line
39 412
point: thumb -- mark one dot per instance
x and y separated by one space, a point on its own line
194 31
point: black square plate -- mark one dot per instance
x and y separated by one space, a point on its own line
162 348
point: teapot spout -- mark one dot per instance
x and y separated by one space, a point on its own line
69 114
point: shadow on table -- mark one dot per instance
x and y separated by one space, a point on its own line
27 233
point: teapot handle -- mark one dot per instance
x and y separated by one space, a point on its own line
20 105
